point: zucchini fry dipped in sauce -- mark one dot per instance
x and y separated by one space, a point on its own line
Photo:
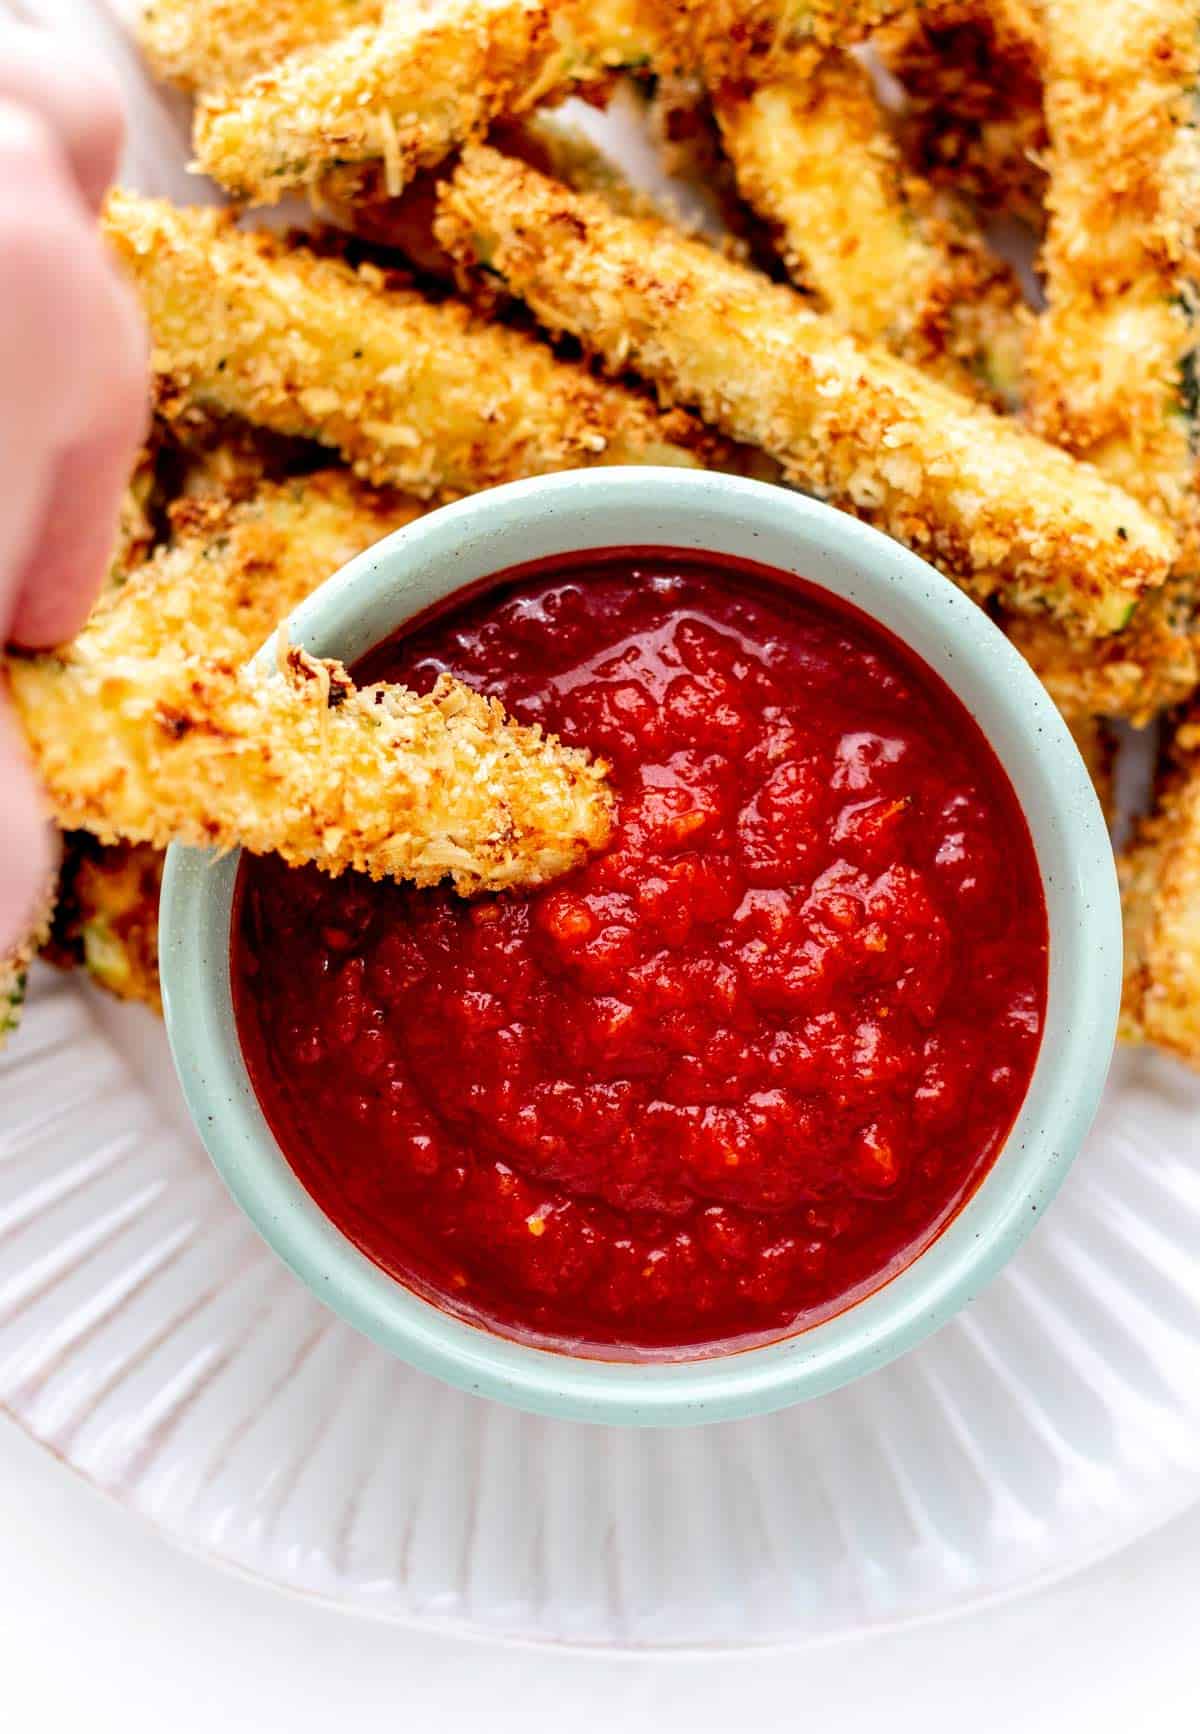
973 122
846 420
892 262
233 569
138 736
393 96
1112 361
424 396
1160 883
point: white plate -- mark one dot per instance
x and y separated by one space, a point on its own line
152 1342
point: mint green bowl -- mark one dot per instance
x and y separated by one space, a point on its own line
427 562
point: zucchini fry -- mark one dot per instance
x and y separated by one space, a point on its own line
299 762
390 98
1112 359
216 44
973 122
238 565
424 396
895 265
1150 667
15 962
107 916
1160 881
846 420
234 568
1111 362
145 729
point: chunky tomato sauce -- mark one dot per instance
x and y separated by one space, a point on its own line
733 1073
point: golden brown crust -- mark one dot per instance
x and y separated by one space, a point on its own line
15 962
1160 882
847 421
107 917
1154 665
427 396
1110 359
145 729
397 96
973 122
213 44
298 762
238 564
885 256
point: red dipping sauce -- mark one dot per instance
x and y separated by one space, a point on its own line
739 1069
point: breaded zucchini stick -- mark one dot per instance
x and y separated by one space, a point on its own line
1150 667
236 566
145 728
1160 880
973 122
15 962
400 95
107 916
847 421
216 44
544 139
299 763
1111 362
426 396
895 265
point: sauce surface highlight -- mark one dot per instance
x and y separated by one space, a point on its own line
740 1068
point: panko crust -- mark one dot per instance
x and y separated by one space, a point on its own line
15 962
426 396
298 762
1154 665
394 96
889 259
973 121
847 421
237 564
147 729
217 44
106 921
1110 360
1160 884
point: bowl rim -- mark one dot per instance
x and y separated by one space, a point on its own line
442 552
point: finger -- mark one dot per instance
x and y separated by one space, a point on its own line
80 103
58 581
66 570
27 846
57 292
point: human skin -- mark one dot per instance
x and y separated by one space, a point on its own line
73 393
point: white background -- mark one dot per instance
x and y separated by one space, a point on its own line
104 1626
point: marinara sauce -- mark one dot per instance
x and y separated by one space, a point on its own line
740 1068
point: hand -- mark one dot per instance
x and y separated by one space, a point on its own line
73 393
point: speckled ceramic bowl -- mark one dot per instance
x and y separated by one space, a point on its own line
427 562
